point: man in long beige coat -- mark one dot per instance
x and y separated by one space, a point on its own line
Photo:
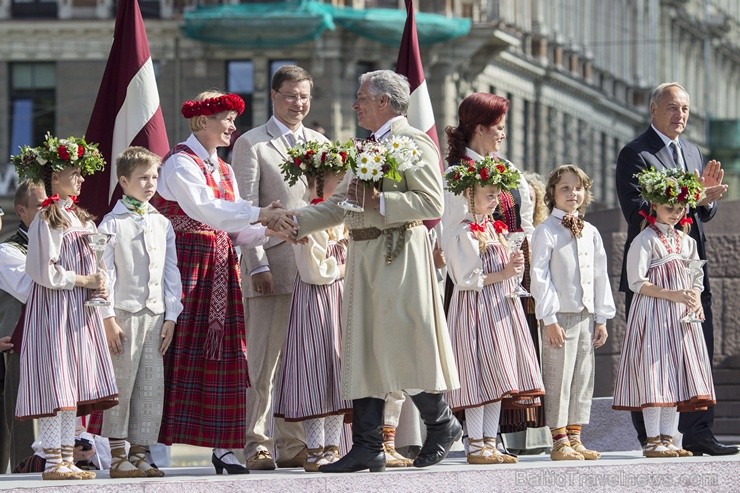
392 309
268 272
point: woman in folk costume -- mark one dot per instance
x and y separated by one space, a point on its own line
490 340
308 383
665 366
206 366
66 369
480 132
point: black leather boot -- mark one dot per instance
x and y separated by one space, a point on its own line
443 429
367 439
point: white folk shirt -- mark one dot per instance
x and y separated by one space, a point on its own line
569 275
13 278
181 180
141 263
44 248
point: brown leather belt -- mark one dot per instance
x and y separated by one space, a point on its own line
392 251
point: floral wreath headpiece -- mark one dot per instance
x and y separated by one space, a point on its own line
57 154
211 106
671 186
484 172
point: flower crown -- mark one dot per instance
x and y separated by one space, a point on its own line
57 154
484 172
313 158
211 106
671 186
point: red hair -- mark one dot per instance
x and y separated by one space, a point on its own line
480 108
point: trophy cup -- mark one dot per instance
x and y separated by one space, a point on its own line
515 240
693 269
98 241
351 205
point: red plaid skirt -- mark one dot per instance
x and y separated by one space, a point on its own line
205 397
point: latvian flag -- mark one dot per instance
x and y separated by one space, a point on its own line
420 113
127 110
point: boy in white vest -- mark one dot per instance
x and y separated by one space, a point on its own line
146 291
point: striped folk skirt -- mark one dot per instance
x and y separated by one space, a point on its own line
492 345
65 363
664 361
308 384
205 374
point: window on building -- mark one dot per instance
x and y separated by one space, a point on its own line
21 9
527 151
240 80
32 103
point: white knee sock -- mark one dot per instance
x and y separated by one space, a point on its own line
314 432
51 440
68 428
651 415
333 426
491 414
474 418
668 418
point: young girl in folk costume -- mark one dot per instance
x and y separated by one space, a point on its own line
494 353
665 365
570 285
206 365
65 365
308 388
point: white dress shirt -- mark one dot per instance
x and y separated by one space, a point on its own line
141 263
464 262
569 275
181 180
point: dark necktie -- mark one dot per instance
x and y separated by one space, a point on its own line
676 158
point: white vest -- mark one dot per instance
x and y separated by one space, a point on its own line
140 250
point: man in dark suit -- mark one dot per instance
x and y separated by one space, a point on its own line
660 147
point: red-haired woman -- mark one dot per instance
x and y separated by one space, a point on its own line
480 132
206 376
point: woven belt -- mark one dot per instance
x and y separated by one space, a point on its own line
391 251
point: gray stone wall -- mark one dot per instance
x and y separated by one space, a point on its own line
723 252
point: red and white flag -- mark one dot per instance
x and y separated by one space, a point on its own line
420 113
127 110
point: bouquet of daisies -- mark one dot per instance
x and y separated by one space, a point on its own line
313 158
670 186
386 159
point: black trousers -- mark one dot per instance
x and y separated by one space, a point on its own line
695 425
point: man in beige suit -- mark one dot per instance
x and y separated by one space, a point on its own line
391 304
268 272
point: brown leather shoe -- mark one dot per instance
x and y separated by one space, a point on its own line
296 461
667 441
261 461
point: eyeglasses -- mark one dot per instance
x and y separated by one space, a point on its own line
294 98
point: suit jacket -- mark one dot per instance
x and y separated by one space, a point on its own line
256 162
645 151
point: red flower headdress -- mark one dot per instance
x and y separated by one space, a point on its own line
211 106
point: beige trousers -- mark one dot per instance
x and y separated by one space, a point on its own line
140 378
267 321
568 372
